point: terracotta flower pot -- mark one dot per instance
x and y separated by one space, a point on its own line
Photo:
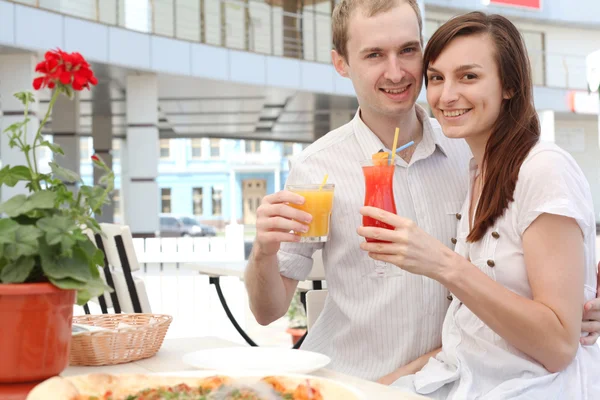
35 331
296 334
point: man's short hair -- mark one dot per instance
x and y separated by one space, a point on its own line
344 9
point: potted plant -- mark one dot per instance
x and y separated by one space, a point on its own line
47 261
297 319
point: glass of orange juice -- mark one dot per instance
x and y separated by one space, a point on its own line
318 202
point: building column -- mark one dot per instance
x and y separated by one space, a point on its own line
65 131
102 136
232 197
16 75
102 142
141 197
547 124
277 185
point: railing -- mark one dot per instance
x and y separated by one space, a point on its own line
280 28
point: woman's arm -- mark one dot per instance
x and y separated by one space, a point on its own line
548 327
411 368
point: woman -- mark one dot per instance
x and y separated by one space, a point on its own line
523 265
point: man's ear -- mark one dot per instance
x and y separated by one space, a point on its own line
339 63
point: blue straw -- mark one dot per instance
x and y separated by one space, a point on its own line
407 145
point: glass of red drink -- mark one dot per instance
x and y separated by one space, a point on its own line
379 193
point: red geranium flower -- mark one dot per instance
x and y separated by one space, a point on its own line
95 158
67 69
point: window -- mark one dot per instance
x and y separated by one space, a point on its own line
197 200
196 149
215 148
165 148
535 49
252 146
288 149
217 201
165 200
116 150
85 147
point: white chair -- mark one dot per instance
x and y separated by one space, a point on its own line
315 301
120 253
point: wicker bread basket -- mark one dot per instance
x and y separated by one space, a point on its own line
129 337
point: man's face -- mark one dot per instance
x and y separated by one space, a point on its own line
384 60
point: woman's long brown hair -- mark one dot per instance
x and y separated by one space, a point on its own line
517 128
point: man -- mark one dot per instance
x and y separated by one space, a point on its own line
369 326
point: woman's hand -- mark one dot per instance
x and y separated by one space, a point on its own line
409 247
411 368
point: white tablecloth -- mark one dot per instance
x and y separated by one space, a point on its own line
168 359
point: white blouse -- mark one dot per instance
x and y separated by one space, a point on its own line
475 362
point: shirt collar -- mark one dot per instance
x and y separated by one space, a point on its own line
370 143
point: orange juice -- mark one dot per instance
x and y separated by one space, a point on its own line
317 203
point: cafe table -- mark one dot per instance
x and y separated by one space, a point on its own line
169 359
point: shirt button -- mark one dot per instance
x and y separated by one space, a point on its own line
495 235
491 263
449 297
458 216
453 240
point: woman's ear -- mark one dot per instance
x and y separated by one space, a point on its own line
508 94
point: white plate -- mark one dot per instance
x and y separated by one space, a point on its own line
257 359
353 392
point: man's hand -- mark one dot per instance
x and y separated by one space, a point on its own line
275 219
591 318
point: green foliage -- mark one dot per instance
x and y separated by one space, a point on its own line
43 234
295 313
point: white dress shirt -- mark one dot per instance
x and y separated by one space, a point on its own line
476 363
370 326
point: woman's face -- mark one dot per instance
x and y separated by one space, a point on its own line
464 90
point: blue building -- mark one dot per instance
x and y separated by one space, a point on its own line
215 180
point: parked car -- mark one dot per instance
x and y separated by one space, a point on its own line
178 226
191 227
170 226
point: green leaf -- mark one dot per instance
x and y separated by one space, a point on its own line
95 255
10 176
25 243
24 97
17 271
8 227
67 283
97 198
64 174
76 267
42 200
94 288
16 127
58 229
56 149
16 205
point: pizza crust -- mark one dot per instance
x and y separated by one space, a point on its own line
71 388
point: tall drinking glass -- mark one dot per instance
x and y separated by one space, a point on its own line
379 193
318 202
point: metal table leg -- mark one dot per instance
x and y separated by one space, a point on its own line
216 281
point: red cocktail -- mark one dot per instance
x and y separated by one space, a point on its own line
379 192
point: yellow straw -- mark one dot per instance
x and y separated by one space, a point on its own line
324 181
395 143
